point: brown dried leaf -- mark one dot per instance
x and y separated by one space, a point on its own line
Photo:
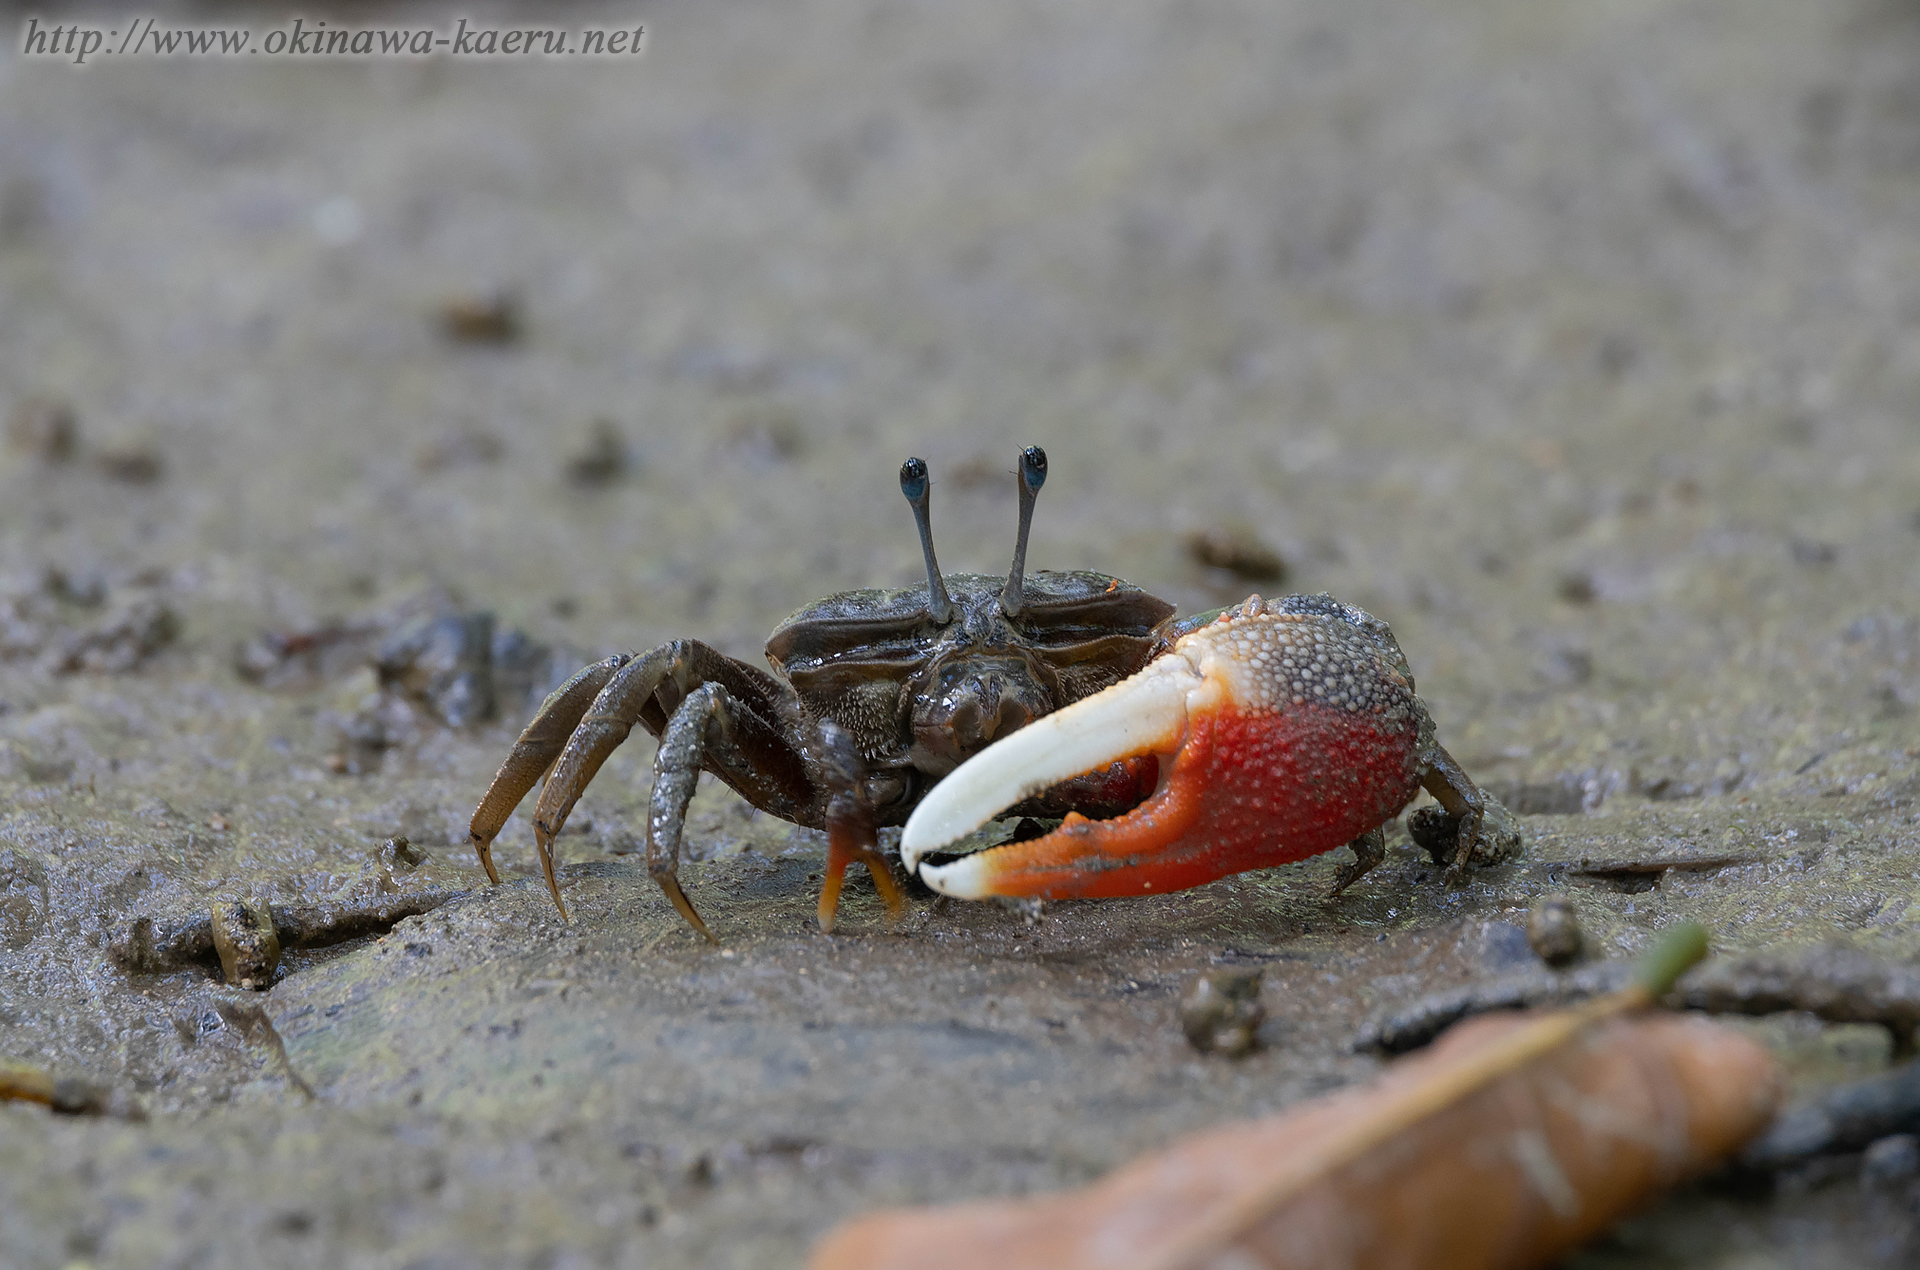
1513 1172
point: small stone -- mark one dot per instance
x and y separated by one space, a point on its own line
400 854
446 664
1576 588
1891 1160
1221 1013
1237 551
129 462
1554 930
44 429
602 460
249 947
482 319
1437 832
121 641
87 591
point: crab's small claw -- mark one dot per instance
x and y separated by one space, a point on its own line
1282 730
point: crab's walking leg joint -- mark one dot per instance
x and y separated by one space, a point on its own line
534 753
1282 730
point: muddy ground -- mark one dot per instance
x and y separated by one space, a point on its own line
1580 341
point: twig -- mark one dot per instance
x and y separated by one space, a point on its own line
1660 864
1839 985
149 946
1844 1118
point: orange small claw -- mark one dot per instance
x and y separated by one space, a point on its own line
1292 729
850 840
841 853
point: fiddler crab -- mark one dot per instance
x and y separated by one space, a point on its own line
1174 750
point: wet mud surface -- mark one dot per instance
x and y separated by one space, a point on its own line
1579 342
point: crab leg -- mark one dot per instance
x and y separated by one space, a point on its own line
1281 732
698 724
718 725
534 753
703 724
604 724
1463 800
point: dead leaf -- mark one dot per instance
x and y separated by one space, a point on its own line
1513 1140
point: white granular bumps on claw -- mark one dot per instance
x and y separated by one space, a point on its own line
1304 650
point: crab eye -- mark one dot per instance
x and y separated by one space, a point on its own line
913 478
1033 474
1033 468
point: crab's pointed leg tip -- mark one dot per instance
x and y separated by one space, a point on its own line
483 850
890 893
553 887
829 906
684 906
1141 715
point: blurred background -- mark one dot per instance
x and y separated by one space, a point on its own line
1580 341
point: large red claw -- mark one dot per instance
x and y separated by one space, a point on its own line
1284 729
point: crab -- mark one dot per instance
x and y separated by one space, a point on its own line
1176 750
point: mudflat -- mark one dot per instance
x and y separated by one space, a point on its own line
1580 342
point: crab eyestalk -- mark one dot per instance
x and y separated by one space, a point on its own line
913 483
1033 474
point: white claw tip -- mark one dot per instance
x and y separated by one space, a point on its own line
1141 715
964 879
